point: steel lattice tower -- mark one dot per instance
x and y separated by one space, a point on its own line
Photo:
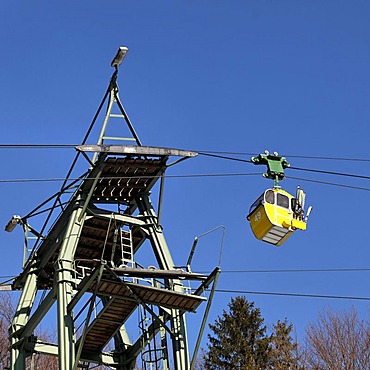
86 262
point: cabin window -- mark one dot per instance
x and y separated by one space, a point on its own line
282 201
256 204
269 197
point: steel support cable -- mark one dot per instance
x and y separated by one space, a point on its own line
46 210
181 176
38 146
277 271
328 158
202 152
174 176
212 154
11 278
209 153
70 170
330 172
225 157
291 168
297 270
74 181
294 294
330 183
205 152
52 179
178 176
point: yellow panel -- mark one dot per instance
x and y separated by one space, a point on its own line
260 222
296 224
267 219
283 217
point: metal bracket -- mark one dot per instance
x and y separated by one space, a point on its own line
275 166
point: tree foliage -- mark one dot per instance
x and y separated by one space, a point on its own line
6 313
240 341
36 361
283 349
338 341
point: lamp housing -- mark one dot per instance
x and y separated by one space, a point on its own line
118 59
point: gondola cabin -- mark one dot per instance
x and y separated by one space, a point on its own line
276 214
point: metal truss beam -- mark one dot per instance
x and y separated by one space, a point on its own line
65 282
35 345
39 314
165 261
137 150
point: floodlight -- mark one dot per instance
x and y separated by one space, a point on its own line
118 59
14 221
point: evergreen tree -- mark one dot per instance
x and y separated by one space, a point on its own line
283 349
239 339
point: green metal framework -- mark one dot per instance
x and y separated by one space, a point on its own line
275 166
87 266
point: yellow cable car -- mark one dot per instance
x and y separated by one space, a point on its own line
276 214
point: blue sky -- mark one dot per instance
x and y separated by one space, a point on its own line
226 76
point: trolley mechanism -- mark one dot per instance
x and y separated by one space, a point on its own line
277 214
